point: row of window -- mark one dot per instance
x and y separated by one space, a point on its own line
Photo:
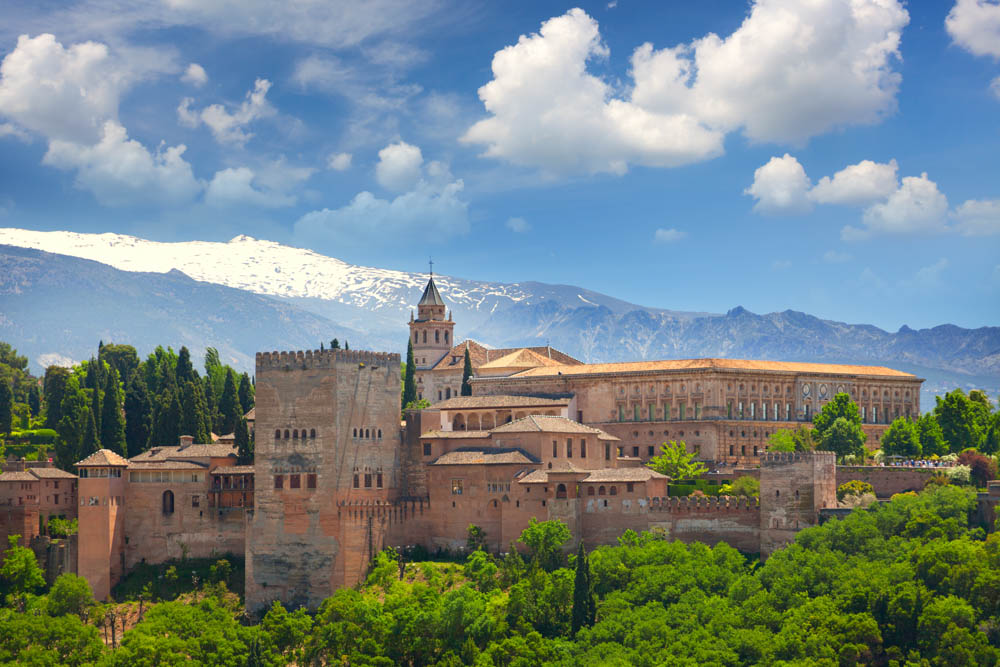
368 479
458 486
437 336
653 414
294 433
569 448
100 472
295 481
368 433
165 476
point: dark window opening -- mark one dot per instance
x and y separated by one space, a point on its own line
168 502
427 449
279 481
368 480
294 482
311 481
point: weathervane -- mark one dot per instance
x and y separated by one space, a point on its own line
430 260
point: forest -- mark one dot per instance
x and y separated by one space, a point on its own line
910 582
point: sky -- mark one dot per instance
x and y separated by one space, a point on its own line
838 157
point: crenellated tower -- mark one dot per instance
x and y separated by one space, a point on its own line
431 332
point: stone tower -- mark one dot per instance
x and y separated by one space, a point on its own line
431 333
794 487
327 439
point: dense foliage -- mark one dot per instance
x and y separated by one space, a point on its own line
118 402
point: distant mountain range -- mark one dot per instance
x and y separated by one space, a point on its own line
249 295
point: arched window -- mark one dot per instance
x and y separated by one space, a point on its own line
312 433
295 434
367 434
355 433
561 491
286 434
590 490
277 434
446 336
425 336
447 392
415 336
437 336
168 502
614 491
601 491
380 434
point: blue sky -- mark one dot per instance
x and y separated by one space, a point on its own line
834 157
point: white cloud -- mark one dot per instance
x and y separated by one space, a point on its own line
835 257
195 75
780 187
11 130
995 87
791 71
235 187
975 26
426 210
121 171
517 225
930 276
339 161
978 217
55 359
68 93
229 127
398 167
367 87
547 111
857 185
917 207
662 235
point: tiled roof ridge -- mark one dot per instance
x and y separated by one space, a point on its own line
715 363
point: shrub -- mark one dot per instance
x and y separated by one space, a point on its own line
854 488
982 468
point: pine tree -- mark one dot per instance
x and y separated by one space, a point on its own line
6 406
244 446
166 421
583 597
211 403
193 412
90 442
410 381
245 394
112 421
229 407
185 371
138 414
54 391
34 401
467 374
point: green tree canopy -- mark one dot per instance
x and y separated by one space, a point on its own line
54 390
544 540
20 573
800 439
409 377
841 407
467 375
229 406
959 419
676 462
138 413
113 418
69 594
932 442
244 444
245 394
845 438
902 438
6 406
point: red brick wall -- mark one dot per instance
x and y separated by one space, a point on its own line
887 480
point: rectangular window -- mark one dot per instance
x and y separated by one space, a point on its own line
607 452
378 480
195 501
683 410
741 409
635 452
753 410
788 412
456 487
666 412
279 481
311 481
635 412
294 482
652 412
357 484
427 449
730 450
650 451
630 487
583 449
569 448
729 410
621 413
697 410
368 480
555 449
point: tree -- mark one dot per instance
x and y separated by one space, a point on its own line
193 412
166 420
6 406
902 439
743 486
346 345
54 390
112 420
20 572
957 416
991 441
841 407
334 344
675 462
245 394
229 407
244 446
34 401
844 438
122 358
476 538
467 374
802 439
855 487
93 382
410 379
90 442
138 414
583 595
932 442
544 540
982 468
69 594
185 370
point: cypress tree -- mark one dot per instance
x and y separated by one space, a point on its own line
346 345
6 406
583 599
229 407
138 414
166 422
185 371
34 401
244 446
95 406
245 394
54 391
211 403
112 421
410 381
193 413
467 374
89 443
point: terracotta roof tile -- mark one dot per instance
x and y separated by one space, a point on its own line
549 424
232 470
502 401
624 475
252 415
17 476
103 457
480 355
714 364
456 434
215 450
51 473
166 465
485 456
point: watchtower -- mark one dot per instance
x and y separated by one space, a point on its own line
431 334
794 487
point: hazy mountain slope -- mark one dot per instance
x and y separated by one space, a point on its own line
56 307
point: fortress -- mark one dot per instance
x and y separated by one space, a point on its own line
337 476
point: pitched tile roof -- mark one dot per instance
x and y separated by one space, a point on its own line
456 434
485 456
558 467
166 465
215 450
51 473
232 470
642 474
502 401
713 364
549 424
103 457
431 296
518 359
481 355
17 476
252 415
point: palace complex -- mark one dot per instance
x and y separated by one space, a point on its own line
336 476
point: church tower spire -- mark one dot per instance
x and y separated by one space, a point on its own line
431 333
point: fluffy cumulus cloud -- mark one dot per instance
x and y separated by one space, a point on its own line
792 70
978 217
975 26
339 161
235 187
780 187
121 171
195 75
399 166
857 185
432 205
916 207
662 235
229 127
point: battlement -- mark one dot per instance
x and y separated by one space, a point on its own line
394 510
675 504
788 458
306 359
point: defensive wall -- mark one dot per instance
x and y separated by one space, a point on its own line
887 480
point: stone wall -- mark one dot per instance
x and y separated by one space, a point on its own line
794 487
55 556
887 480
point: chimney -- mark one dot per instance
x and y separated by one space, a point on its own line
186 441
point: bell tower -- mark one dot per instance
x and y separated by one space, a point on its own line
430 332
